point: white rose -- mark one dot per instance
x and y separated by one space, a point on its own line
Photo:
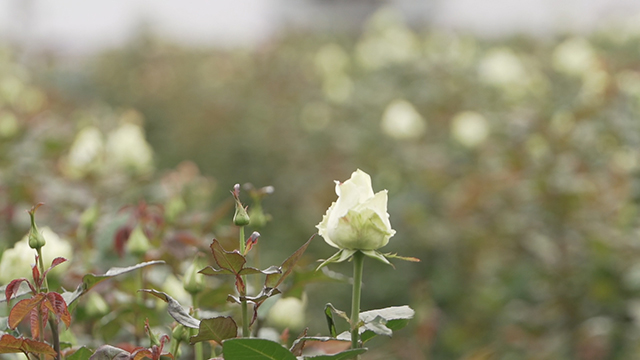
288 312
358 220
16 262
127 149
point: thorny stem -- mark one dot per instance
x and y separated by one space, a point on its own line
245 315
358 262
41 324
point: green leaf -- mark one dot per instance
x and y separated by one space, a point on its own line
108 352
381 322
216 329
348 354
91 280
211 271
81 354
255 349
271 270
177 312
227 260
258 299
329 310
340 256
287 266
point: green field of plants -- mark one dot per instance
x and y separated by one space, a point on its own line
512 168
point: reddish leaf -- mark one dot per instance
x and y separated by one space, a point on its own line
240 285
56 304
35 273
120 239
13 287
34 321
10 344
22 309
141 354
57 261
251 241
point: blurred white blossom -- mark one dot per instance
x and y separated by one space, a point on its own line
331 59
387 41
401 121
469 128
85 154
574 56
127 149
16 262
8 125
501 66
288 312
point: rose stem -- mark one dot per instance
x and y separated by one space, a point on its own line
358 264
245 317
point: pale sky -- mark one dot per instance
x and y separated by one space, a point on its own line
79 26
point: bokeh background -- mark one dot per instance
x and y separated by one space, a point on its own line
507 134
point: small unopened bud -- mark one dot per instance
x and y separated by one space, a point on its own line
240 218
180 333
193 282
138 243
36 240
89 217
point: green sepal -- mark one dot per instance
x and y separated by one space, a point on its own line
340 256
376 255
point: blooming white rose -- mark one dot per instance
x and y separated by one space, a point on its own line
16 262
358 220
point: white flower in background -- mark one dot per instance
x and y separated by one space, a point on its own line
337 87
387 41
594 85
331 59
288 313
502 66
127 149
8 125
16 262
401 121
450 49
469 128
574 56
358 220
86 152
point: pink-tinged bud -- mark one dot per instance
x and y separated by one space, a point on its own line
252 240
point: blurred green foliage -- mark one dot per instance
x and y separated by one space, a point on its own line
512 169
